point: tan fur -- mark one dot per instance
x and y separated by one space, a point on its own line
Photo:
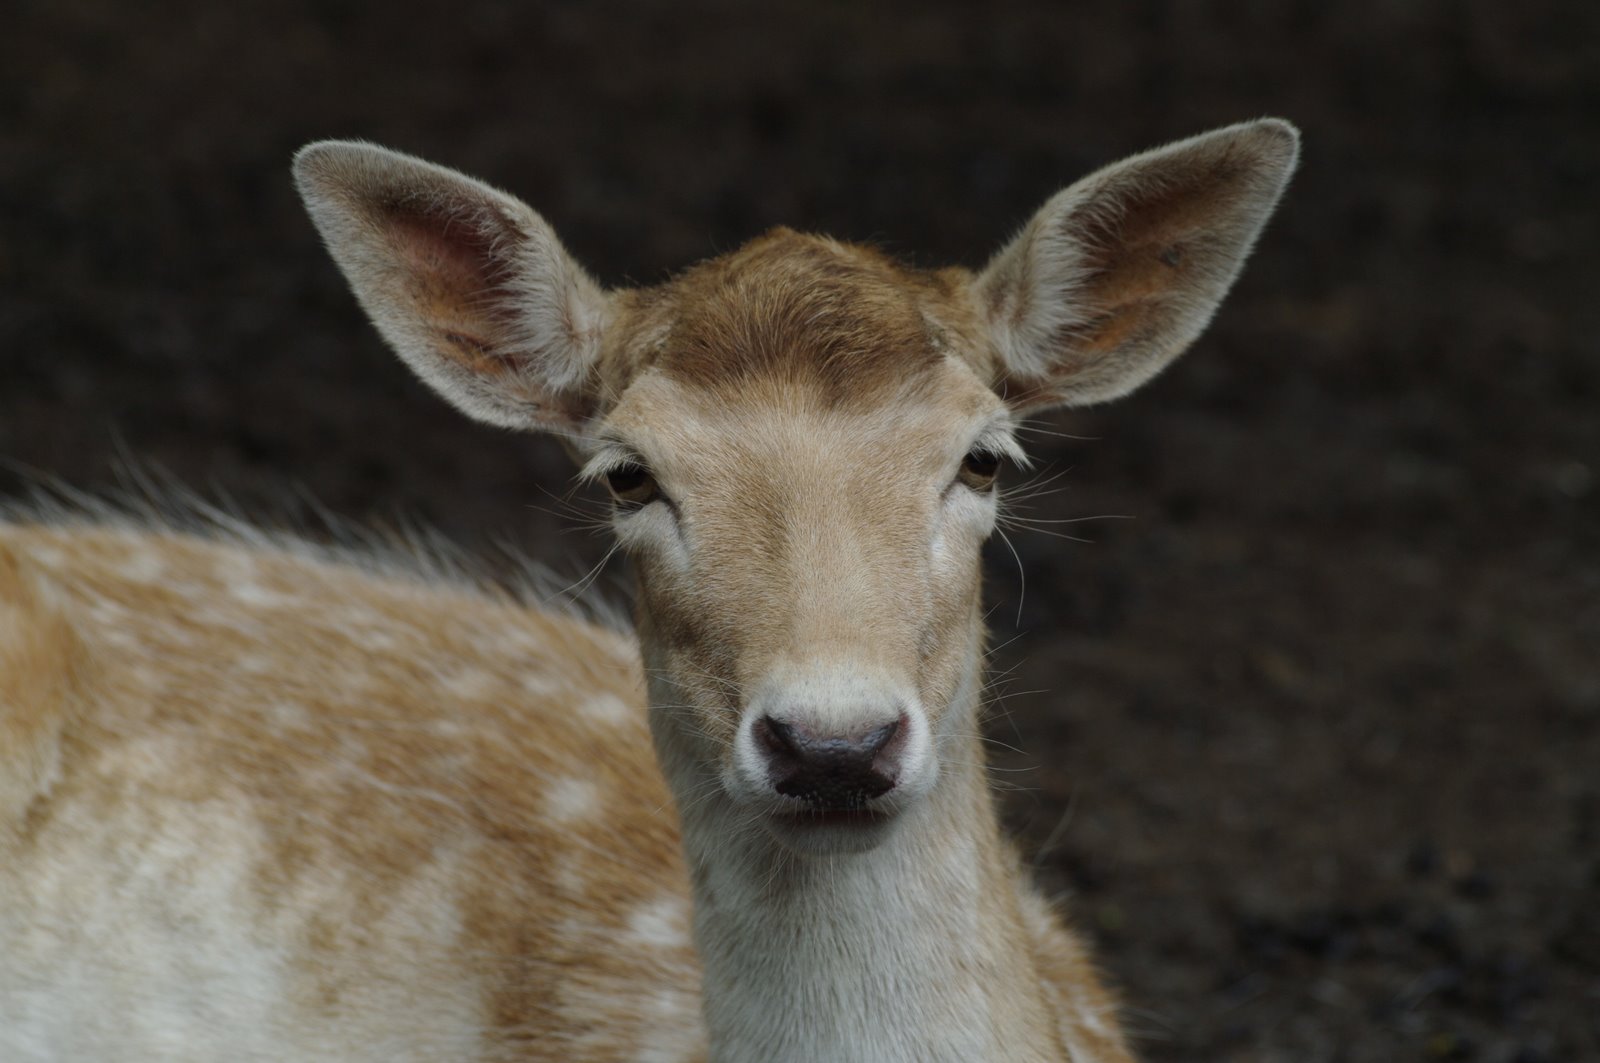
260 803
41 664
385 753
804 308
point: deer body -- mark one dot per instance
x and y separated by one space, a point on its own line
219 839
257 803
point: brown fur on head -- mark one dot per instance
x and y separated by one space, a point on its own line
800 433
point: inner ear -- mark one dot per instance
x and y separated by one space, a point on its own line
457 273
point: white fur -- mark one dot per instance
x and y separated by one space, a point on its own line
835 958
191 981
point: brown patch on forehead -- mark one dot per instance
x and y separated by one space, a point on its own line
844 320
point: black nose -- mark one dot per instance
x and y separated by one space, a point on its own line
831 772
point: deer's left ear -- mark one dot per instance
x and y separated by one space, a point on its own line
1116 275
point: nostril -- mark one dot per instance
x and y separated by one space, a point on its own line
873 742
776 737
831 770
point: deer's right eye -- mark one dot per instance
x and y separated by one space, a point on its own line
631 485
979 469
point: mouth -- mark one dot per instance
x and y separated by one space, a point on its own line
848 818
830 831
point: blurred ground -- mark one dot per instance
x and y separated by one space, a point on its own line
1313 741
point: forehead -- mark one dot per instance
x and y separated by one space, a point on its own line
842 324
773 427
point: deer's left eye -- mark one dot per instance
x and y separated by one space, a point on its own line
979 469
631 485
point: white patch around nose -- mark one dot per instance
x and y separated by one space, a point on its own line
834 699
830 698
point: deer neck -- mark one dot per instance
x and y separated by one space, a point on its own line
912 951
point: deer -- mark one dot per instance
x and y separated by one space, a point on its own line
267 799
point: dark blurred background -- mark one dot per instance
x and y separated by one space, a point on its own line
1312 742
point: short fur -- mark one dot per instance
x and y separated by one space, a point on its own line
256 804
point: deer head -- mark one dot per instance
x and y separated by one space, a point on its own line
801 437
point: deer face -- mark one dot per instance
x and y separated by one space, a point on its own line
801 437
803 463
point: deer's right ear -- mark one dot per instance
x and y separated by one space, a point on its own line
468 285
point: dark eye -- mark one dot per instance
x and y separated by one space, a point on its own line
631 485
979 469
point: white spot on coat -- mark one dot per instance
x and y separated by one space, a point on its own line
143 566
571 798
661 923
470 684
256 596
608 709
